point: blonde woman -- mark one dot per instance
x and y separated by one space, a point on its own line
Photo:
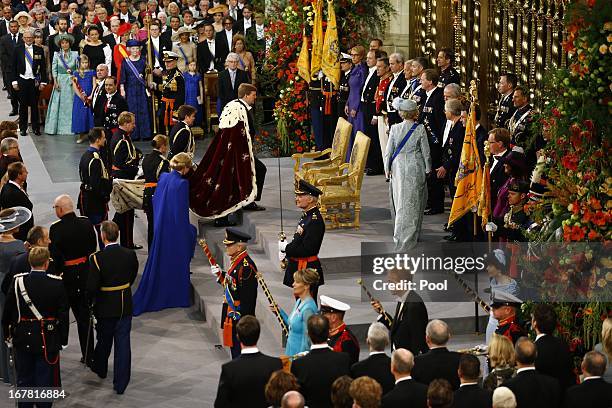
305 306
165 280
605 347
502 361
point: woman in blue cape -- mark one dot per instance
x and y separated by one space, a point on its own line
165 280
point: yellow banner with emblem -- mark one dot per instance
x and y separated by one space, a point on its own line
317 38
331 47
303 62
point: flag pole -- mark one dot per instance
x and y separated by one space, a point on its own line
149 71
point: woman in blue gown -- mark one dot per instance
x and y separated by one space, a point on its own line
359 73
82 114
305 306
165 280
134 91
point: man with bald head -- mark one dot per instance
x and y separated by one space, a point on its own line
594 391
292 399
73 239
531 388
406 388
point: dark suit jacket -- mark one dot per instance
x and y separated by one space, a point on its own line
243 380
437 363
254 45
118 104
393 92
205 57
472 396
7 53
316 372
225 90
554 359
39 68
164 45
408 328
482 136
113 266
535 390
432 117
166 36
595 393
3 27
12 196
222 48
406 393
498 178
239 26
110 40
451 151
378 367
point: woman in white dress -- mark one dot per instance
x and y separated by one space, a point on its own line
407 162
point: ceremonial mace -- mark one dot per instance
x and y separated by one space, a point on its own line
281 235
149 71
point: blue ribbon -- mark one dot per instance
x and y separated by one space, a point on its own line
184 56
233 311
156 54
59 54
31 61
402 143
132 68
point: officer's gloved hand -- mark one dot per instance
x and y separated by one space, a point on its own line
490 227
281 250
215 270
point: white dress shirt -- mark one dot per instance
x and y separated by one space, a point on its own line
260 30
496 161
29 73
211 48
229 34
155 44
447 129
408 377
249 350
247 24
520 370
371 72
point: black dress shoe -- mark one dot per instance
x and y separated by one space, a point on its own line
254 207
135 247
23 133
13 113
445 227
224 222
433 212
37 132
451 237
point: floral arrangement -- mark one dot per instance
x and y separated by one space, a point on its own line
577 206
358 21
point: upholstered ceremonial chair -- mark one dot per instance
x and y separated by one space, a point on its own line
43 102
337 153
341 198
211 80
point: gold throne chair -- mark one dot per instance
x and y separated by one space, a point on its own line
309 171
341 198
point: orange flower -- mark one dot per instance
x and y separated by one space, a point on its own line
600 218
577 233
595 204
593 235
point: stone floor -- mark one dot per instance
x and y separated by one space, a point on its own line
175 355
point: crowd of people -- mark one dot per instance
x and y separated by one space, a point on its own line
74 47
123 72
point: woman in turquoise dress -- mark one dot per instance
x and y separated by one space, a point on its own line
134 91
82 114
59 112
305 306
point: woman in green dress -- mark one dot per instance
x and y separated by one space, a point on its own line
59 112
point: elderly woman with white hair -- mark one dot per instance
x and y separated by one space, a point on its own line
407 162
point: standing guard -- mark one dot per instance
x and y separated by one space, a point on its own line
341 339
180 138
504 306
73 239
239 287
112 272
303 251
346 65
153 165
96 184
125 166
172 90
35 320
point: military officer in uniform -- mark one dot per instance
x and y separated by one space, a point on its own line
125 166
181 139
303 251
520 123
448 74
112 272
96 184
395 88
35 320
73 239
505 106
341 339
329 109
240 286
346 65
504 307
172 91
108 107
153 165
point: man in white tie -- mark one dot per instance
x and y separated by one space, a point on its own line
223 39
208 60
234 12
101 74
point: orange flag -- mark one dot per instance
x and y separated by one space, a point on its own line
469 174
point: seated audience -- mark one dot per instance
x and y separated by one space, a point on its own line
605 347
366 392
470 394
439 394
503 398
280 383
593 392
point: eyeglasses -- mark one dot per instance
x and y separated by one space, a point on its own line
228 24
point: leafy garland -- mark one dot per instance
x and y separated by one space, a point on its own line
576 171
358 21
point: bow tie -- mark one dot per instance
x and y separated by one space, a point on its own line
495 158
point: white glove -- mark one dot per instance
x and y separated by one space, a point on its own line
215 270
282 245
490 227
281 255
